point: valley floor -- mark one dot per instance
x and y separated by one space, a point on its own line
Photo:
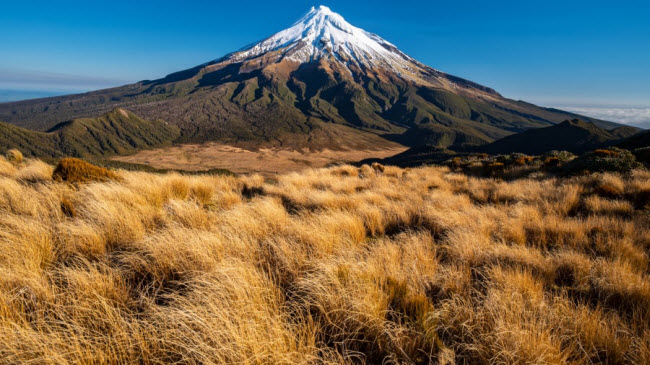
338 265
266 161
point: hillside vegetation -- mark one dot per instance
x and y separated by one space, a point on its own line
115 133
574 135
341 265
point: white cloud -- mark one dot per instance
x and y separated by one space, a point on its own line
638 117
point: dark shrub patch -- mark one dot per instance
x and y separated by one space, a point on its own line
614 160
250 192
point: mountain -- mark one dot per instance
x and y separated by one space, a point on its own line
321 83
639 140
576 136
115 133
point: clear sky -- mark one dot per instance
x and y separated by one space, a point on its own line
573 53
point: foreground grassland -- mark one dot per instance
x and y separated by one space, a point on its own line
333 265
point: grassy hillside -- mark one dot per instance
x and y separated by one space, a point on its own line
115 133
339 265
639 140
576 136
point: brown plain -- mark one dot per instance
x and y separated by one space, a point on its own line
266 161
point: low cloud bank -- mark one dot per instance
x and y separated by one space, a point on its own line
638 117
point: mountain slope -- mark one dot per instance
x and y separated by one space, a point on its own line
575 136
293 87
114 133
639 140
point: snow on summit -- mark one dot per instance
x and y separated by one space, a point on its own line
324 33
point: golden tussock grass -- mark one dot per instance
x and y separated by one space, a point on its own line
342 265
74 170
14 156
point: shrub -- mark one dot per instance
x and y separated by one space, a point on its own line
14 156
563 156
494 167
614 160
523 160
455 162
605 153
76 171
642 155
551 162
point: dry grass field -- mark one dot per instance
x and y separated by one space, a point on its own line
264 161
338 265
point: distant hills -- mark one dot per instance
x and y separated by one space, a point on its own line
575 136
114 133
639 140
321 83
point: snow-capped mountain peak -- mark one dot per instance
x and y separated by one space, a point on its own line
324 33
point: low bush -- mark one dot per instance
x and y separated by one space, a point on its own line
76 171
605 153
642 155
455 162
551 162
494 167
612 160
524 160
563 156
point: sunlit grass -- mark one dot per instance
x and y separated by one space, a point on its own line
340 265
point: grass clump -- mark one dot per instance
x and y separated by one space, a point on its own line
76 171
14 156
379 168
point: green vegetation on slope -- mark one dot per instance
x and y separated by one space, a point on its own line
575 136
114 133
639 140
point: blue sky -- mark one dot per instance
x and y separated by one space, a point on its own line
592 54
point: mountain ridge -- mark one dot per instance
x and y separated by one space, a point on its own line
319 79
575 136
115 133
